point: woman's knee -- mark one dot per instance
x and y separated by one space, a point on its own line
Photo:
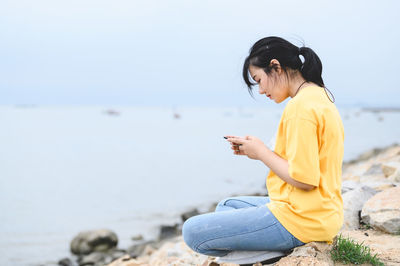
239 202
221 206
197 238
189 232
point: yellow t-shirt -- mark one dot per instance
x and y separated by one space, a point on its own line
310 137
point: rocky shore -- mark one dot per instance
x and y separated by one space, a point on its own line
371 197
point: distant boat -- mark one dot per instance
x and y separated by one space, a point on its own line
112 112
175 115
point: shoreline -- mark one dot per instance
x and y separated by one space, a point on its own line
169 234
166 233
381 109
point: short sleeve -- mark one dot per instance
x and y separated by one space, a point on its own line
302 151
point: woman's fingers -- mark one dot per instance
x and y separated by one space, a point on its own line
236 149
237 141
238 153
229 136
235 145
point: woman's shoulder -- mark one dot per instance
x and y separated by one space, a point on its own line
298 105
310 104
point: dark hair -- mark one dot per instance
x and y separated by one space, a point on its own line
266 49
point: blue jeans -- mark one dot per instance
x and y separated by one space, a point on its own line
238 223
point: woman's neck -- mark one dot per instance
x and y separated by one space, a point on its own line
297 84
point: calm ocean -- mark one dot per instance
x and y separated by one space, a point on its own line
130 169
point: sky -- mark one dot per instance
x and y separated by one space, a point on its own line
183 52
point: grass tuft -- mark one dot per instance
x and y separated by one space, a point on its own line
347 251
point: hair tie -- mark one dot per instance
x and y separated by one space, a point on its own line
301 60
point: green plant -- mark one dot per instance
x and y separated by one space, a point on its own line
364 226
347 250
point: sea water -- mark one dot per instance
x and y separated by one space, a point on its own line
130 169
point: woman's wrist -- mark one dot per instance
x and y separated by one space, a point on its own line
263 154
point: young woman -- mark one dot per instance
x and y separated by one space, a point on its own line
304 200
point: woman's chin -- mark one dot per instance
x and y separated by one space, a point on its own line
279 100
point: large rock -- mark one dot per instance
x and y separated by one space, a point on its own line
392 170
138 249
128 261
367 155
383 211
94 258
372 163
66 262
172 252
353 202
169 231
377 183
349 185
188 214
313 253
376 176
388 169
376 169
96 240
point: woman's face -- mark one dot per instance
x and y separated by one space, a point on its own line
271 85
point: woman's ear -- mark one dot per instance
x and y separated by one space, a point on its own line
275 65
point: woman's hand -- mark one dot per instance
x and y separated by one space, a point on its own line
250 146
254 148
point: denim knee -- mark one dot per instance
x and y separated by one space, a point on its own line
196 240
221 205
188 233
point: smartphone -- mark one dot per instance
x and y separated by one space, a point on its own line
234 143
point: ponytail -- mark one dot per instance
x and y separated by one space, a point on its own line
311 70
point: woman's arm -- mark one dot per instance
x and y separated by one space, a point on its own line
254 148
280 166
